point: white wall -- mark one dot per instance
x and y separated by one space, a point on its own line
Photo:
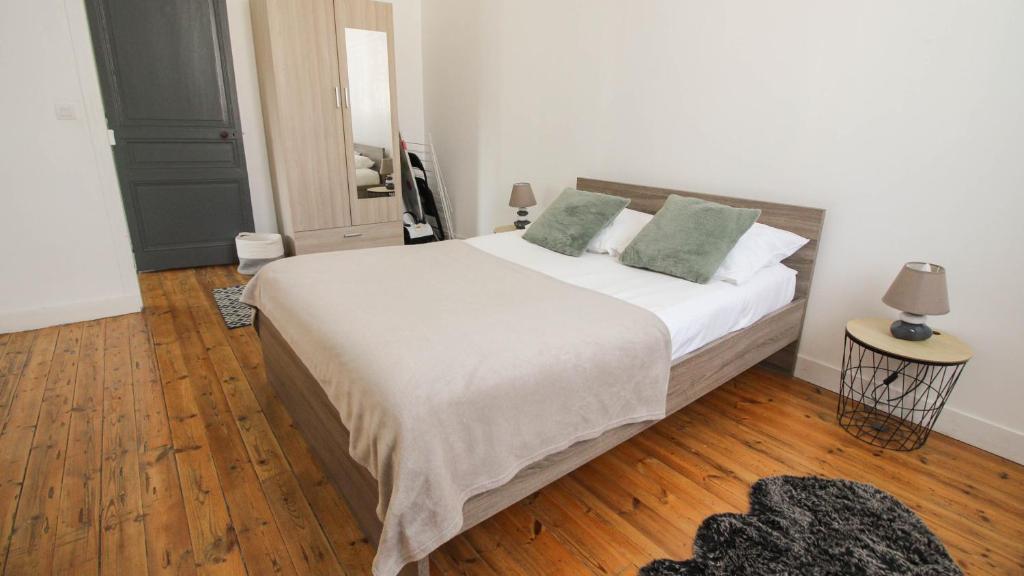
250 113
409 70
409 67
903 119
66 251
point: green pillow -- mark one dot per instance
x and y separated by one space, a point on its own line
689 238
573 219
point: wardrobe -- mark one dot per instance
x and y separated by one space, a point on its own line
327 83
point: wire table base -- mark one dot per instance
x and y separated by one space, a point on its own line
888 401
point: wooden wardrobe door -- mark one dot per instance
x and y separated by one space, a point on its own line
301 81
377 16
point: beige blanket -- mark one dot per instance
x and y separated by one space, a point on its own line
454 369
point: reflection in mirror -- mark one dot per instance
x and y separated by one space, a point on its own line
369 85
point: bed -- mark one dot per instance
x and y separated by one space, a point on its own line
711 334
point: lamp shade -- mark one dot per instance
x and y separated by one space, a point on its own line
387 166
919 288
522 196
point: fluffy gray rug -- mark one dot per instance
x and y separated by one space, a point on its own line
813 526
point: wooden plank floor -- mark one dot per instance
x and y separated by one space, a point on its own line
151 443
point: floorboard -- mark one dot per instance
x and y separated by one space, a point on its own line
168 549
122 536
78 517
16 440
152 444
32 541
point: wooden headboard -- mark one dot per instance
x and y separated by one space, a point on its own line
801 220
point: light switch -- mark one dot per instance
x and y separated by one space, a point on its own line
65 111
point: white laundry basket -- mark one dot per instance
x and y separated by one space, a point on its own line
256 250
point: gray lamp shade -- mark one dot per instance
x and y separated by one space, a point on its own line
919 288
522 196
387 166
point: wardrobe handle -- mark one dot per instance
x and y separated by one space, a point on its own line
353 234
347 103
337 97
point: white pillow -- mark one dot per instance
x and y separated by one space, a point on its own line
363 161
614 238
760 246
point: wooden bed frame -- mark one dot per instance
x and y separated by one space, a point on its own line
772 340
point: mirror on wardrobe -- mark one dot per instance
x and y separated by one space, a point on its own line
369 101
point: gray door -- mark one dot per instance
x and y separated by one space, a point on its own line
169 93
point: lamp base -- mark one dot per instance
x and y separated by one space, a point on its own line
911 327
522 223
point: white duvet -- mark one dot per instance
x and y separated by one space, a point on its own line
695 314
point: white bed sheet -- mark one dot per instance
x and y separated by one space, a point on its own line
695 314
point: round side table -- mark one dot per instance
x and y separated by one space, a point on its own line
891 391
379 192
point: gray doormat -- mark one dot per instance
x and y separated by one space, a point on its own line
809 525
234 313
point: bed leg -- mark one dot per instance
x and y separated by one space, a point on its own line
421 568
784 360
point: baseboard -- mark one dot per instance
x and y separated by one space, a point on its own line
968 428
18 320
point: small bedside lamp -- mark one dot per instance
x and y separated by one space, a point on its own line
387 167
918 290
522 198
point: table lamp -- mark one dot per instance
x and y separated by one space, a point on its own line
522 198
919 290
387 167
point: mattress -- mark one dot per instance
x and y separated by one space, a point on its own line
367 177
695 314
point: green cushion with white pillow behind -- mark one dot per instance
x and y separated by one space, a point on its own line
573 219
689 238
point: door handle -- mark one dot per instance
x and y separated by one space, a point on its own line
353 234
347 103
337 97
224 134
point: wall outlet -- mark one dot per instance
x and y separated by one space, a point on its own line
65 111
